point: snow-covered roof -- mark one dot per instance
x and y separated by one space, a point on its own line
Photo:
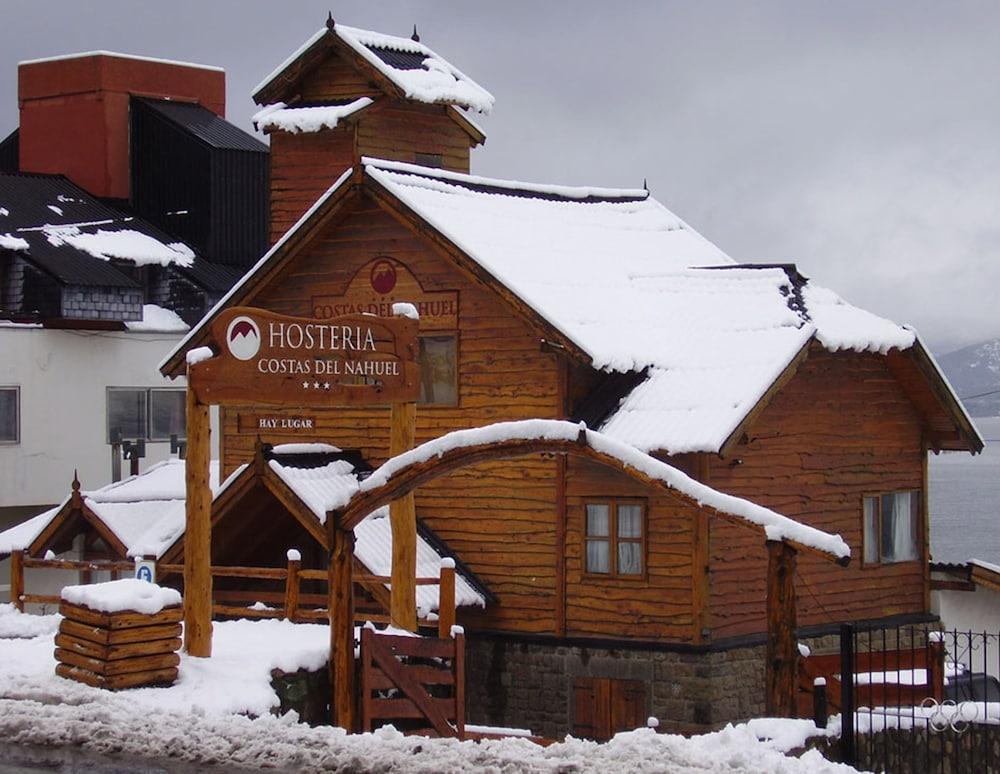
417 71
145 512
627 281
306 119
323 488
634 289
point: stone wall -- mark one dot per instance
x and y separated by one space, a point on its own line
100 303
530 685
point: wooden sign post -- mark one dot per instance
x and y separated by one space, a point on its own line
403 518
258 358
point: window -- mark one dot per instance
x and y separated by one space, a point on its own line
615 538
429 160
891 527
153 414
439 370
10 419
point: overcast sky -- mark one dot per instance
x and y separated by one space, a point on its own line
858 140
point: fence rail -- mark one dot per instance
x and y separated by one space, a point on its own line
921 699
289 602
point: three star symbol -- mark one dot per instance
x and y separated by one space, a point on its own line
315 385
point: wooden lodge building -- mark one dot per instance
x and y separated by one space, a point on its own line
605 600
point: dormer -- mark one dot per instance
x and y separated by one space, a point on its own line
348 93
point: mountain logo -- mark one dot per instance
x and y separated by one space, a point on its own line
243 338
383 276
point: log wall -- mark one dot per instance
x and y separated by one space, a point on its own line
841 429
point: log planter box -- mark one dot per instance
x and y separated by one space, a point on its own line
106 647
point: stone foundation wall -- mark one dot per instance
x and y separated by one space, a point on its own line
530 685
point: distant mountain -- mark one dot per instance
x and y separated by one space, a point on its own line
973 370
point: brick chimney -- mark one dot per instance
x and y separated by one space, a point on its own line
75 112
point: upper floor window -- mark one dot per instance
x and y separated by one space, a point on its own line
439 370
429 160
615 536
10 419
150 413
891 527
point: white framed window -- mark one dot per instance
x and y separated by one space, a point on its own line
10 414
891 527
152 413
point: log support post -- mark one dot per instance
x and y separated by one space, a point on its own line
17 579
341 607
781 671
446 598
292 584
198 531
403 518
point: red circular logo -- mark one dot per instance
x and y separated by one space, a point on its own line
383 277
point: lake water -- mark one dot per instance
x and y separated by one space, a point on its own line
965 501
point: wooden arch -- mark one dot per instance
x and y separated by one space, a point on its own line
406 478
401 475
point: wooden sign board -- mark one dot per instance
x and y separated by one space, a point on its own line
262 358
379 284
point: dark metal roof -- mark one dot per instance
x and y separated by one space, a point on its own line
206 125
401 60
524 193
210 275
34 201
72 267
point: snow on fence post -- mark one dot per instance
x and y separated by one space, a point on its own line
446 598
292 583
17 579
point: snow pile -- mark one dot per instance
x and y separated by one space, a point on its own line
16 625
305 448
156 319
197 719
199 354
306 119
127 594
126 244
11 242
776 526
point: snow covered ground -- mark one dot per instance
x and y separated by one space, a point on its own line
205 718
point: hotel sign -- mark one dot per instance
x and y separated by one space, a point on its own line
379 284
262 358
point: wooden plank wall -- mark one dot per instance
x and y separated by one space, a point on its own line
335 79
303 166
655 607
841 429
400 130
501 518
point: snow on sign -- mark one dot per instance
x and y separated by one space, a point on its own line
263 358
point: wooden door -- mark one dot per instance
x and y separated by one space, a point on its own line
602 707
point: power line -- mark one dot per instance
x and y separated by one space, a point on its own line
979 395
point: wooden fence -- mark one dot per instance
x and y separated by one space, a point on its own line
288 603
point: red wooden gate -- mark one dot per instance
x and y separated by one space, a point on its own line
417 683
